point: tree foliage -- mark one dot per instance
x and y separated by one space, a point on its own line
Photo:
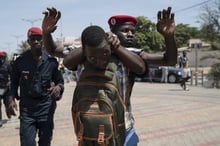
182 36
147 37
210 23
150 40
210 30
214 75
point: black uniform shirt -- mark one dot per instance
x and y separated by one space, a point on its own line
34 79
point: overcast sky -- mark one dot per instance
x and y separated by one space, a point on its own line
17 16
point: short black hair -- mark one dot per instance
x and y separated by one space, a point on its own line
93 36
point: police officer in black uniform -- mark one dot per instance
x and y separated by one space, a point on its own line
41 85
5 70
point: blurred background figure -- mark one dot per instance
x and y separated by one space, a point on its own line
5 70
65 72
186 72
164 74
151 74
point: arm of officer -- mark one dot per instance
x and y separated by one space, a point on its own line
57 85
74 58
51 17
11 107
166 27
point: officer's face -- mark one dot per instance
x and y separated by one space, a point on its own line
98 56
125 34
35 42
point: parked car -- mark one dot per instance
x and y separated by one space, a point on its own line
155 73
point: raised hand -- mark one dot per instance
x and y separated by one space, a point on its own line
166 24
113 40
51 17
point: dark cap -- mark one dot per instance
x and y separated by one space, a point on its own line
121 19
34 31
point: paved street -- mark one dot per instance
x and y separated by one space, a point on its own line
165 116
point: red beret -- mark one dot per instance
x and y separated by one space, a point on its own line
121 19
34 31
2 54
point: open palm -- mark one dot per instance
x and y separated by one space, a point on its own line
50 20
166 24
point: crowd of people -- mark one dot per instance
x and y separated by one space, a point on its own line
38 75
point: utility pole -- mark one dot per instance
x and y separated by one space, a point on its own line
197 47
32 21
196 63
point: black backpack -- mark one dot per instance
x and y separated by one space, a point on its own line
98 108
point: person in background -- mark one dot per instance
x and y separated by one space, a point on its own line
186 72
65 72
41 86
124 27
151 73
165 70
5 71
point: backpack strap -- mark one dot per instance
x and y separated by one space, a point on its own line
80 135
101 137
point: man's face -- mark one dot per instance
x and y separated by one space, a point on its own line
35 42
98 56
125 34
2 60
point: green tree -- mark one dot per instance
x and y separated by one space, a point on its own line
147 37
210 30
214 73
150 40
183 33
210 23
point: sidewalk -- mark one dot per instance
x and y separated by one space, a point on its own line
165 115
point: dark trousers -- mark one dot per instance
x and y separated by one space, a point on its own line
183 82
31 126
